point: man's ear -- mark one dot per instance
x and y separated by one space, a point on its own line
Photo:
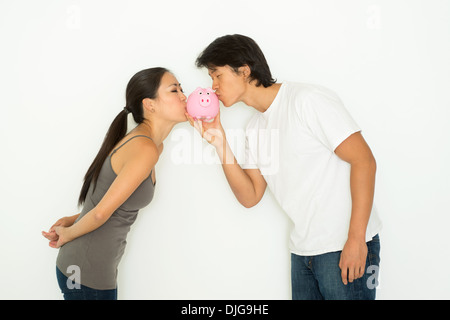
245 70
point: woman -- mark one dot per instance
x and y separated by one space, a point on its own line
119 182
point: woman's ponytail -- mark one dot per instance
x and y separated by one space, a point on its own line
116 132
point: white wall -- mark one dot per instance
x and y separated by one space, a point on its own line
64 68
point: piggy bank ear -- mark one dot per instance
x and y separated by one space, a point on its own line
196 91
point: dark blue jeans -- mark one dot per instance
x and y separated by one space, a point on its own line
83 292
319 277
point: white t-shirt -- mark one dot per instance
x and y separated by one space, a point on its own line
293 143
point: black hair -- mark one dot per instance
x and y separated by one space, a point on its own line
143 84
236 51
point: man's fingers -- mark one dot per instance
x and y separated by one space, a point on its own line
189 118
361 271
351 274
344 275
209 137
199 127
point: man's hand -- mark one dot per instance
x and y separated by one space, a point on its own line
353 260
212 132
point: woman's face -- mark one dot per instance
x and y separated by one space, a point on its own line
171 101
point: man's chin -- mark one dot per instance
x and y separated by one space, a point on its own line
225 104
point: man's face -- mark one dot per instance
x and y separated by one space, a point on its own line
228 85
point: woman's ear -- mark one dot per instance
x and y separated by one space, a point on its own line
148 104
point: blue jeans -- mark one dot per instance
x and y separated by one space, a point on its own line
83 292
319 277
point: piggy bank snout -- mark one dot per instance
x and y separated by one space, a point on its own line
205 100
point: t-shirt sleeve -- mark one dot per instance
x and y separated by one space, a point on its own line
324 114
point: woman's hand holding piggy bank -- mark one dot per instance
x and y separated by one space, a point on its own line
203 104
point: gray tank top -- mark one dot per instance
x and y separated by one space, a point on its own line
98 253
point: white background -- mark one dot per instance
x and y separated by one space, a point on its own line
64 66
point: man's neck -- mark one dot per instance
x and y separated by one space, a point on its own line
261 98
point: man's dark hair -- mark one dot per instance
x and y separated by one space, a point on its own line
236 51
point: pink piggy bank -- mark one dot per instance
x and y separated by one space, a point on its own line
203 104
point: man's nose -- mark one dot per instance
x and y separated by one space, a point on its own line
215 85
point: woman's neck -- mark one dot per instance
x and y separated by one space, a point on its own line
156 130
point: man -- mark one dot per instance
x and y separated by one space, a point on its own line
322 173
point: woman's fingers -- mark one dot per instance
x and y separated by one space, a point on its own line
53 244
50 235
